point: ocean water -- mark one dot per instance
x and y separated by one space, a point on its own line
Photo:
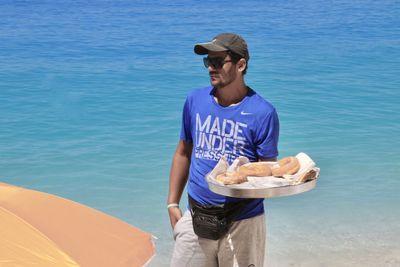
91 94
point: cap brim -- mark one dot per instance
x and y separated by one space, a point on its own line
204 48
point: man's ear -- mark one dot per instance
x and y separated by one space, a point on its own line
241 64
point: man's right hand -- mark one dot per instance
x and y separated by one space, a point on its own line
175 214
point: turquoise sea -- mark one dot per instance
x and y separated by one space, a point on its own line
91 95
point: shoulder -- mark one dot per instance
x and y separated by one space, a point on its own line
260 105
197 98
200 92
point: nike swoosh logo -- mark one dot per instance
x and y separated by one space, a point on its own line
245 113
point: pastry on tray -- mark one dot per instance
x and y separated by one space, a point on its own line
285 166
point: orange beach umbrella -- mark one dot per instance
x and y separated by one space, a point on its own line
40 229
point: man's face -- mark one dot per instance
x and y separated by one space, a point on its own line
221 76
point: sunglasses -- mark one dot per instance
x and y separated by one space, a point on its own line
215 62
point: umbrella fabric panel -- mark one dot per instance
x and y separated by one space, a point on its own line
23 245
90 237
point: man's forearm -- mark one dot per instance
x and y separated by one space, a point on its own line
179 172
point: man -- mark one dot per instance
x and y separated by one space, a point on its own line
226 119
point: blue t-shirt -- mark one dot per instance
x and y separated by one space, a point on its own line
250 129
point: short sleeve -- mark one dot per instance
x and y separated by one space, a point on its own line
268 136
186 134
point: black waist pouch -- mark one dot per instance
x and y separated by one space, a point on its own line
213 222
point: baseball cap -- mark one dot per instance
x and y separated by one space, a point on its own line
224 42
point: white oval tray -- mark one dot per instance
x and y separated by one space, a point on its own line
267 192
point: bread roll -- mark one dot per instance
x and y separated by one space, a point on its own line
255 169
240 176
231 178
288 165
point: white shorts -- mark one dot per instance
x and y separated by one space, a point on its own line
242 246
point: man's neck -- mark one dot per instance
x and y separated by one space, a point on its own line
231 94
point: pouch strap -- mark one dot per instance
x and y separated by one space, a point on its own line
228 210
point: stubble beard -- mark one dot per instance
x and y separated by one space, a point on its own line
218 82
